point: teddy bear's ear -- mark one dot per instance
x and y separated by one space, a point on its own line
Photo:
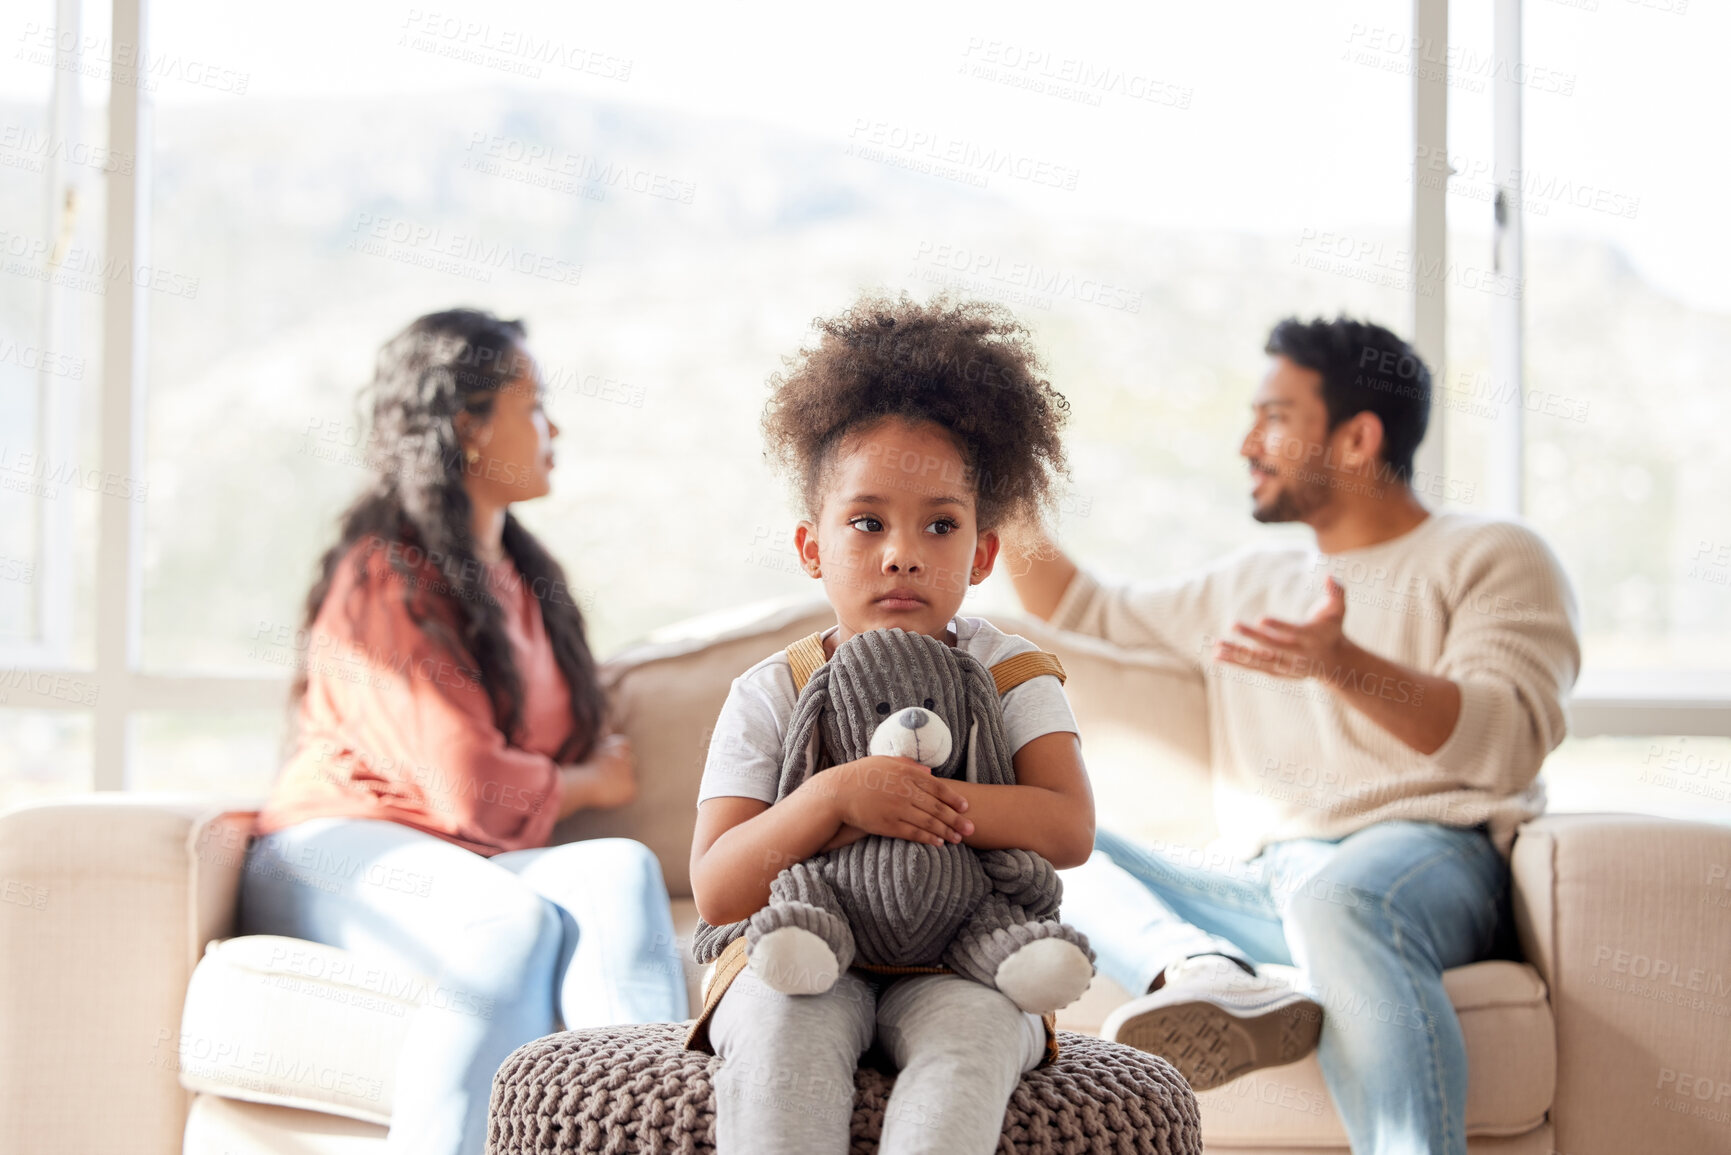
813 749
802 754
988 753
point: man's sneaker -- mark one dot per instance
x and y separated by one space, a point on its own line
1215 1022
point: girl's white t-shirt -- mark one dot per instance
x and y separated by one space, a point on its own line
745 749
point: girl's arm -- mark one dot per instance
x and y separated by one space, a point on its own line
1049 811
741 844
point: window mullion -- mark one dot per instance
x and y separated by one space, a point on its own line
120 521
1430 19
1505 454
58 423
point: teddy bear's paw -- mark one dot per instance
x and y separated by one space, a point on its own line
1045 975
794 961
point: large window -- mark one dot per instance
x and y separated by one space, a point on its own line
1629 324
1128 204
54 160
668 213
1627 318
1624 319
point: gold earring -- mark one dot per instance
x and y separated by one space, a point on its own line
471 455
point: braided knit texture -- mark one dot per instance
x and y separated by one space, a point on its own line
628 1089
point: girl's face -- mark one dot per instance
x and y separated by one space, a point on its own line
515 443
895 541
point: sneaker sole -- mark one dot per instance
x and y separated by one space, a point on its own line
1211 1044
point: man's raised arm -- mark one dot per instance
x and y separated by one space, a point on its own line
1172 616
1040 571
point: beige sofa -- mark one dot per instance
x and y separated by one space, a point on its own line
1613 1037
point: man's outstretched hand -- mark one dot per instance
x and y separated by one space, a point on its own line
1313 648
1420 709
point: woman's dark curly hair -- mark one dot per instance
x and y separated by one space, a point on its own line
968 366
441 365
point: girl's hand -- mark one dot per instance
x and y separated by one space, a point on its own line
895 797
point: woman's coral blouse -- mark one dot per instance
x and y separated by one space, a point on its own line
396 726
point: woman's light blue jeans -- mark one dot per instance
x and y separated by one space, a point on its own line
1372 920
513 945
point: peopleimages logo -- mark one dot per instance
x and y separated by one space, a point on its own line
1474 178
566 171
938 154
521 51
1670 972
85 270
29 149
1066 77
120 62
1461 65
465 254
982 270
26 471
1395 267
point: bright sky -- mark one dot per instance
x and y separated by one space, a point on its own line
1264 115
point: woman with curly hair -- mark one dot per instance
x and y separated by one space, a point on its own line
912 433
448 715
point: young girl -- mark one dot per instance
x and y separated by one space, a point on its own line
913 433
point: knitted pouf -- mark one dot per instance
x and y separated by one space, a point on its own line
632 1089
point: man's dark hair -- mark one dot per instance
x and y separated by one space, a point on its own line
1363 367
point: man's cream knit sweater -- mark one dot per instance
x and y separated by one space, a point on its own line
1479 601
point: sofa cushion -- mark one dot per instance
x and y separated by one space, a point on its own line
280 1020
219 1126
1511 1076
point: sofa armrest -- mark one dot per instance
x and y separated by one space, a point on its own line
1628 919
105 903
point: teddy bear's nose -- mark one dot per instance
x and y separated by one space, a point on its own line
913 718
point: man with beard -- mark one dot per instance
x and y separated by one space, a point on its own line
1379 704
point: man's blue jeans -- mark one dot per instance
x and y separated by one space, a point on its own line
511 945
1372 920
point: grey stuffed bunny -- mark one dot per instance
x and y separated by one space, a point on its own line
987 915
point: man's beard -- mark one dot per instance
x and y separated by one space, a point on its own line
1292 502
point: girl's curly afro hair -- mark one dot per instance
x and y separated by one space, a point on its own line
968 366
